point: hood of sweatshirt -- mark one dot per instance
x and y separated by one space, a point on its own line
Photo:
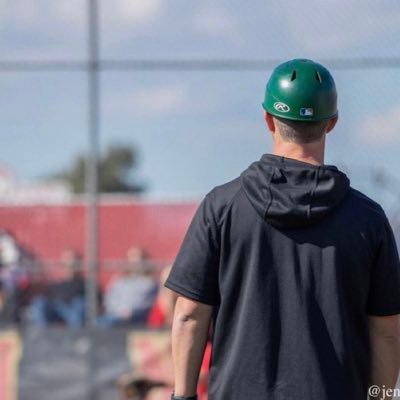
289 193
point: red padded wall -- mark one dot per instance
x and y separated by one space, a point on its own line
47 230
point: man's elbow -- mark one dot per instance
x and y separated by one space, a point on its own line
184 320
189 313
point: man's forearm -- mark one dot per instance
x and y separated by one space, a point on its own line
385 363
189 338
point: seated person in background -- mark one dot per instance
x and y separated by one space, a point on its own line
129 297
16 269
64 300
8 308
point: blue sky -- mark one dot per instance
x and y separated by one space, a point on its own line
194 130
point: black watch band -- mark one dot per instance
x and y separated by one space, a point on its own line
173 397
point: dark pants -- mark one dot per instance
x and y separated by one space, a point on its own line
45 311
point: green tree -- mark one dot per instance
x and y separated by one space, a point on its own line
115 168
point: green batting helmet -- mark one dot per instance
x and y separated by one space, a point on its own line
301 90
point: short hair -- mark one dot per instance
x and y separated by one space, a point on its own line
301 132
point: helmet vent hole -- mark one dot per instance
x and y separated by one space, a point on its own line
318 76
293 77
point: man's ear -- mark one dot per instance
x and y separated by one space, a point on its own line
269 119
332 122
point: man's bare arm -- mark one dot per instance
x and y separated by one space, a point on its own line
385 350
189 337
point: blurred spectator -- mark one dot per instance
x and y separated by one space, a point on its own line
8 308
14 263
16 271
132 387
9 251
64 300
129 297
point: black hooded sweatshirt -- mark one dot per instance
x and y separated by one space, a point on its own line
293 260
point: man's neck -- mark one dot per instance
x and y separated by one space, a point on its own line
312 153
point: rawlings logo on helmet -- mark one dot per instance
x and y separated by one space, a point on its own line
281 107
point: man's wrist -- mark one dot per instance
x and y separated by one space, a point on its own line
174 397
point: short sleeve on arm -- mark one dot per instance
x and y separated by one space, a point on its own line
384 292
195 271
